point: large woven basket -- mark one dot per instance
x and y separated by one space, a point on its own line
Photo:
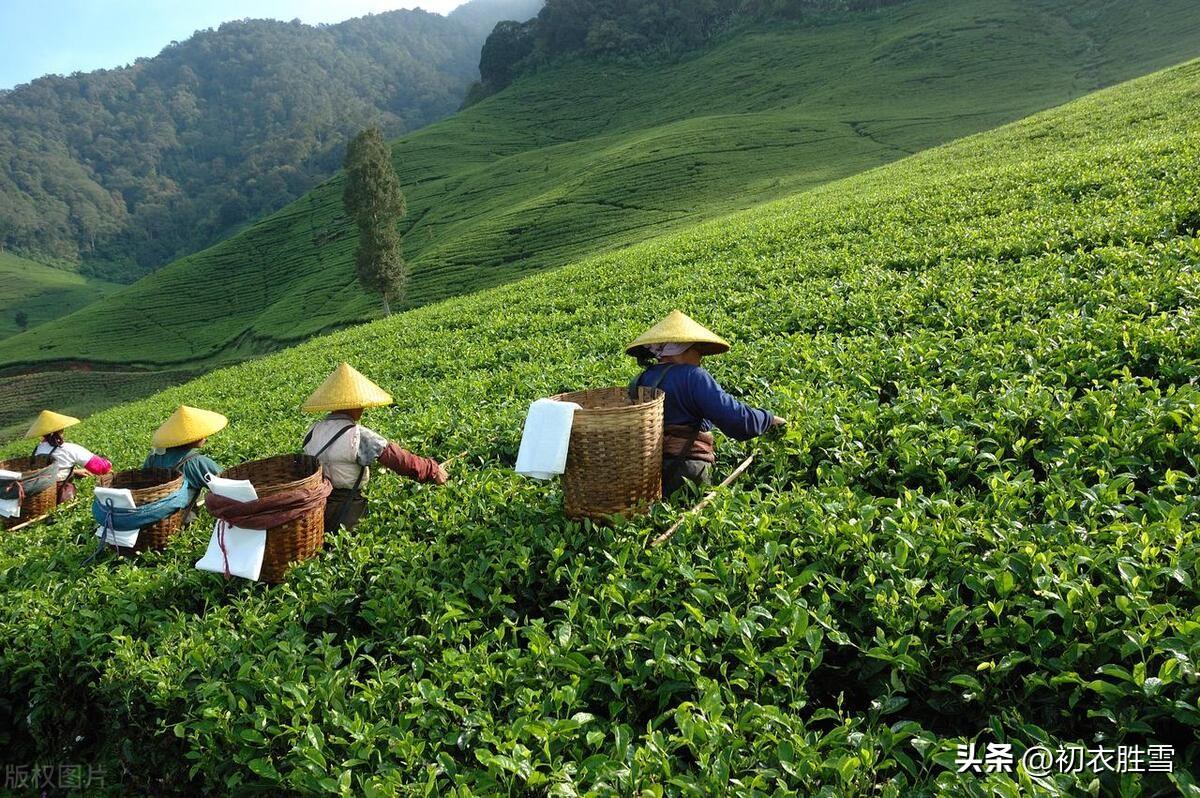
297 540
149 485
614 462
40 504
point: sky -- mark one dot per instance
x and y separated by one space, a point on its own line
38 37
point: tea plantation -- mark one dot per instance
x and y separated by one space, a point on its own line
981 525
42 292
588 156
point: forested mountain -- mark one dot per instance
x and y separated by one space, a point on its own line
122 170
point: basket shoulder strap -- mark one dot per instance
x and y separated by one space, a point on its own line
50 453
70 472
183 461
191 505
662 375
636 382
337 435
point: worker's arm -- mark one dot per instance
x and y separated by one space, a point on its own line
94 464
374 448
407 464
734 418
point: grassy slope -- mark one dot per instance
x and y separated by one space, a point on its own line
586 157
983 515
43 292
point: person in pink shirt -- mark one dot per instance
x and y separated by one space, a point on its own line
67 456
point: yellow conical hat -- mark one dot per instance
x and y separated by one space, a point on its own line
346 389
679 329
188 425
48 421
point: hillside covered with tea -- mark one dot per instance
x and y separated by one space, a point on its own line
981 525
587 154
32 293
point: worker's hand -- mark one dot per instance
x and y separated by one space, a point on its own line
440 477
777 428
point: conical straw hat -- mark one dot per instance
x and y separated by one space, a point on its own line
346 389
188 425
679 329
48 421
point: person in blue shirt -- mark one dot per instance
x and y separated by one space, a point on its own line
671 353
177 445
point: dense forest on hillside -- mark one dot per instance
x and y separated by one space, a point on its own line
123 170
628 28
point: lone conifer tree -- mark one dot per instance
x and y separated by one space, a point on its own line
374 201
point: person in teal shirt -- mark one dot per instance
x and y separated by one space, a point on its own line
177 445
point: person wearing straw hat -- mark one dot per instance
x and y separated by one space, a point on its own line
347 449
177 445
670 353
67 456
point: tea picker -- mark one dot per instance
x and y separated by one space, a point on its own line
67 456
670 354
621 449
276 512
347 449
177 444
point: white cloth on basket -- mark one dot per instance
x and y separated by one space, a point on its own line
243 548
10 508
121 498
547 435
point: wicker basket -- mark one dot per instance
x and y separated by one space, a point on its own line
614 462
39 505
297 540
149 485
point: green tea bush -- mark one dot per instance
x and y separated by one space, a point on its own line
979 527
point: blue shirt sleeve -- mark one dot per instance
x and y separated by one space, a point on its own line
737 420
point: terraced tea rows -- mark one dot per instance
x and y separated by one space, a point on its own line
981 525
23 396
41 292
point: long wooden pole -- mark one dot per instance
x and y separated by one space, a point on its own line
729 480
